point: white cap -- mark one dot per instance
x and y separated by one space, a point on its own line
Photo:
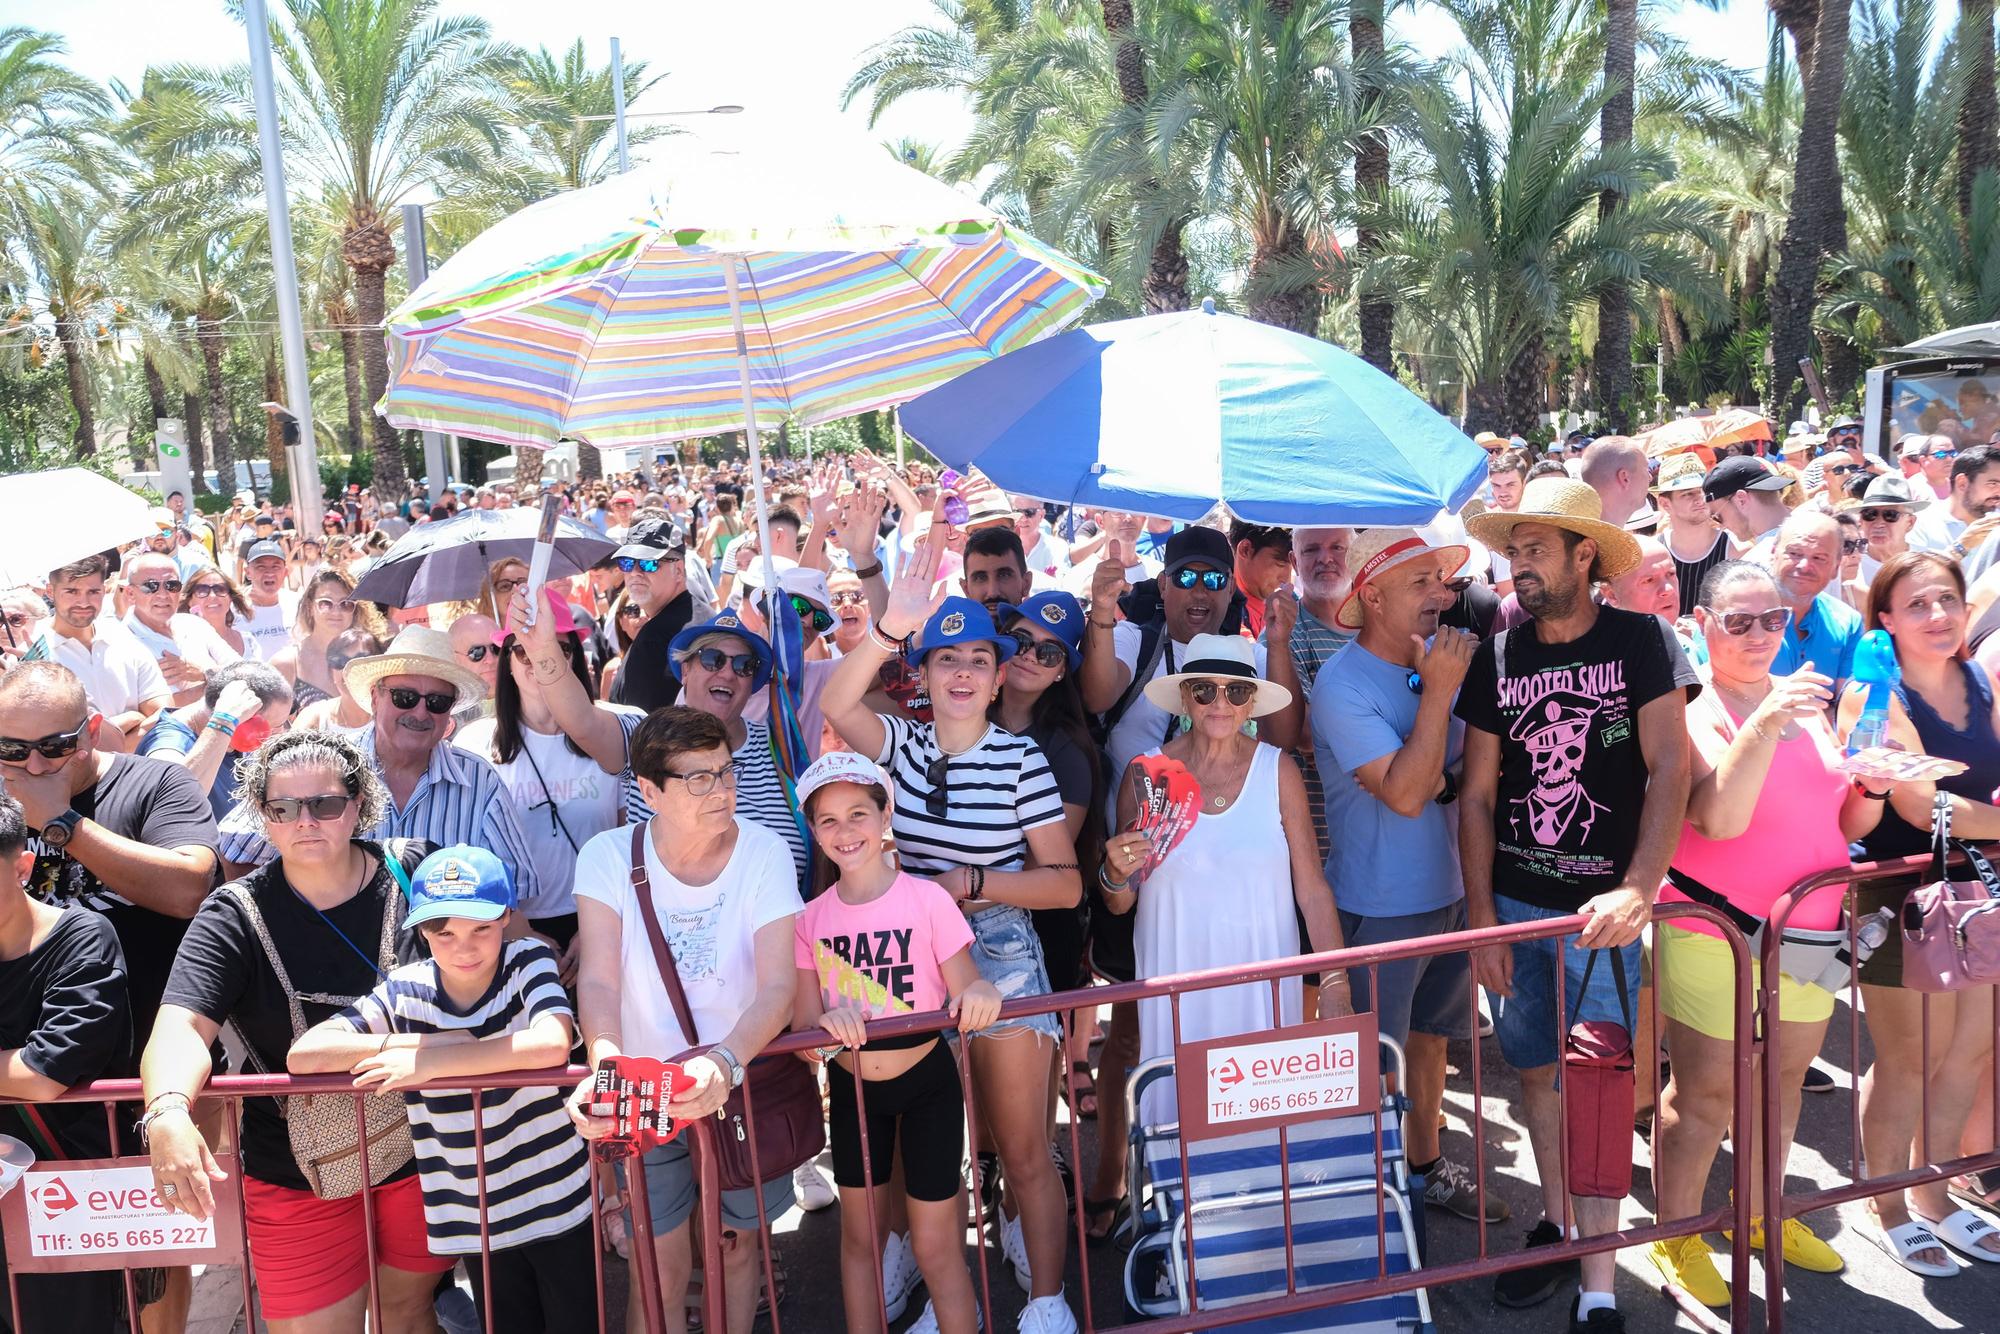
841 766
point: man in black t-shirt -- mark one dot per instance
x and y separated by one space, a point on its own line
1576 783
63 1022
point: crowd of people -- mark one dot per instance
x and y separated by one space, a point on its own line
254 822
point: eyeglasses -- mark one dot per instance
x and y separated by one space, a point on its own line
1047 652
1773 621
327 806
848 599
1853 546
1881 515
1027 510
1213 580
53 747
713 659
435 702
703 781
1238 693
19 620
155 585
337 604
937 776
506 587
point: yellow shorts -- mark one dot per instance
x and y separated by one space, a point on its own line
1694 982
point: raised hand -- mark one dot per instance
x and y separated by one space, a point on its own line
1107 581
916 594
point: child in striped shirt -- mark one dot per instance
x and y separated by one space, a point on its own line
480 1005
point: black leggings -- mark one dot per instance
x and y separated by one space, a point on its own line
924 1105
548 1285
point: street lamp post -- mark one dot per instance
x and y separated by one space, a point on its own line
417 258
618 103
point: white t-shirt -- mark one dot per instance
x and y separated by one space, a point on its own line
272 626
579 801
118 672
712 930
1935 530
1144 726
193 641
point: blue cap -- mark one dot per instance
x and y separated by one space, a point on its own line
460 881
1056 612
963 621
724 623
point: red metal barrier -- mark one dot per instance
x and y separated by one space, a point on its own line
1913 870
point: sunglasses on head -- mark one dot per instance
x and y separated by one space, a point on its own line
1046 652
327 806
713 659
436 701
1238 693
1881 515
1213 580
1739 622
49 747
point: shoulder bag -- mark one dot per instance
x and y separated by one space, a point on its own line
1951 929
322 1125
790 1126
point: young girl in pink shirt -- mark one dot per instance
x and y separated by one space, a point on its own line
877 943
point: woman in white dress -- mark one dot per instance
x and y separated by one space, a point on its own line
1225 895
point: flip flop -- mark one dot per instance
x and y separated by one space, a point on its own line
1962 1230
1086 1090
1115 1209
1903 1242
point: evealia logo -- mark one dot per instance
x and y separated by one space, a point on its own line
54 1198
1229 1074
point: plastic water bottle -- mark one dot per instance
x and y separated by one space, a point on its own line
1875 666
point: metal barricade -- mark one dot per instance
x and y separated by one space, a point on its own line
1910 871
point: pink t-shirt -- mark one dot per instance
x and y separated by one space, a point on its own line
886 956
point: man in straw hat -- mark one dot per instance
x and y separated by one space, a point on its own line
1576 782
438 793
1388 747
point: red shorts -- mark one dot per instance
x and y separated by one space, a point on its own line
308 1253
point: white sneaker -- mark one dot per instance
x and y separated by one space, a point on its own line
1047 1315
1014 1246
900 1275
814 1190
927 1322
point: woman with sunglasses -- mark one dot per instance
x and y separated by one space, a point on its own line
1231 891
978 810
1944 707
1853 588
288 946
342 713
327 611
624 620
216 598
1769 806
561 754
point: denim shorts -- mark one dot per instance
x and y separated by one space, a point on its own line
1425 995
670 1191
1009 955
1526 1022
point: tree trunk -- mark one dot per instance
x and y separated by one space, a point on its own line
1485 408
1978 116
1525 389
74 340
274 430
1164 287
1371 179
156 394
589 463
197 452
1614 298
208 331
528 465
1293 306
1818 224
350 376
369 250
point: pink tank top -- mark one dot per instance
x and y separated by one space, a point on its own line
1794 831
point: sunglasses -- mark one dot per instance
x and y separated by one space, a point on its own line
1238 693
1773 621
1843 469
712 660
520 651
937 776
53 747
849 599
436 701
1047 652
1853 546
821 619
1881 515
155 585
334 664
19 620
327 806
478 652
1943 454
631 563
631 611
704 781
336 604
1459 584
1213 580
1415 681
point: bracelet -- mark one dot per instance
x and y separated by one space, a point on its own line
223 723
975 884
1096 624
1866 794
868 571
1060 866
886 644
186 1101
1115 886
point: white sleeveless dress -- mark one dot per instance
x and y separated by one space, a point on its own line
1222 898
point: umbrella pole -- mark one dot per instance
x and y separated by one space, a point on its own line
756 455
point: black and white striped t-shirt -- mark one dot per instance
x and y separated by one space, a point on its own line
537 1166
760 795
995 793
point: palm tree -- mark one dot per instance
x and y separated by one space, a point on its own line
1978 113
1165 287
1943 271
1371 172
1817 227
1614 299
47 115
65 247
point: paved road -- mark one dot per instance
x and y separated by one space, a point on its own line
1874 1295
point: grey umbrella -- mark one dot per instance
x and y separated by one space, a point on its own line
448 560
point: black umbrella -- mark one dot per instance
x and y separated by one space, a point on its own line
447 560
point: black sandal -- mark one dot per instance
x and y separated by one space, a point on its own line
1114 1211
1085 1105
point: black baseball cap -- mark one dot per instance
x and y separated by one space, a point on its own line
1196 545
1741 473
650 539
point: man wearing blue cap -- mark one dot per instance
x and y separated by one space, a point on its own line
418 1026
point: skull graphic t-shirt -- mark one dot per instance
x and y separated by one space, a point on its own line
1572 774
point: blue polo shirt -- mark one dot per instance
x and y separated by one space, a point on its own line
1825 638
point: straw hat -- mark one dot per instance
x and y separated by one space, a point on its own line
417 650
1562 502
1218 657
1679 472
1377 550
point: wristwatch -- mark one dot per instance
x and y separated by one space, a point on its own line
58 832
728 1061
1449 792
